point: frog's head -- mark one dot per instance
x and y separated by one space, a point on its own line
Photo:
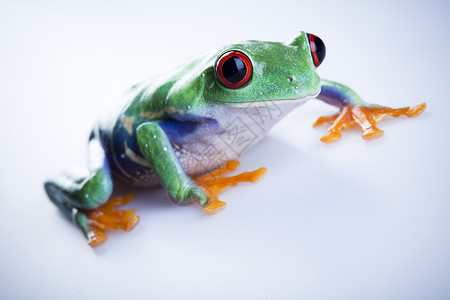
255 72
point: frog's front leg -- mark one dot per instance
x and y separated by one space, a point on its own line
353 110
157 150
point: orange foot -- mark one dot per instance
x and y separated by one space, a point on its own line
366 117
107 216
214 182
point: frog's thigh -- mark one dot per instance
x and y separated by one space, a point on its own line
82 192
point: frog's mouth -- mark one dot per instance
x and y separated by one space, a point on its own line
269 102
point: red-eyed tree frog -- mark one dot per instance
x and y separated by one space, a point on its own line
184 129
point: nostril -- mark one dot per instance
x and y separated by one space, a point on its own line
290 79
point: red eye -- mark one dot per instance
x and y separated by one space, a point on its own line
317 49
234 69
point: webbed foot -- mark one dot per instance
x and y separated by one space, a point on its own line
108 217
365 117
215 182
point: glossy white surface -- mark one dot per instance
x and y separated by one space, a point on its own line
352 220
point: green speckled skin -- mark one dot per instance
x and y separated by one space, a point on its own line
195 84
180 124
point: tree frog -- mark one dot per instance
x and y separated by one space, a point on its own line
184 129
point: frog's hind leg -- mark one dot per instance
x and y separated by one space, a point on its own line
215 182
107 216
83 198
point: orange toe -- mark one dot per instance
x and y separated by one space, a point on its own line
97 239
133 222
215 182
414 111
372 133
214 207
108 216
331 137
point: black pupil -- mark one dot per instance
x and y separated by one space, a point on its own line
234 69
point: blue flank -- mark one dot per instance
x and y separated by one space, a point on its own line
178 132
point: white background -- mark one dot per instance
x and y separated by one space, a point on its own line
352 220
